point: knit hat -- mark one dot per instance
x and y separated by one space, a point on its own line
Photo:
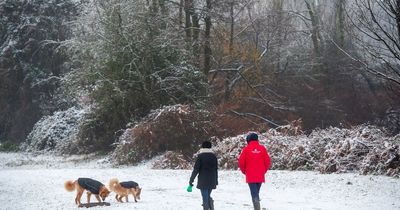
206 144
251 137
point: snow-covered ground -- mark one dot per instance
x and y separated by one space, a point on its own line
28 182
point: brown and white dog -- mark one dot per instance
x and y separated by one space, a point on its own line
91 186
124 188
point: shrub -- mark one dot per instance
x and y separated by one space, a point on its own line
8 147
57 132
178 128
172 160
363 149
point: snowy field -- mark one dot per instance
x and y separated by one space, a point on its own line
33 183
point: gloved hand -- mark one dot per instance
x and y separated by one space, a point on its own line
189 188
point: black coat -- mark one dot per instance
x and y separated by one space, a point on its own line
206 167
129 184
90 185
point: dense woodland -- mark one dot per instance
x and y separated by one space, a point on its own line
241 64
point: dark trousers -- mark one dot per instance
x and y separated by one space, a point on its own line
255 190
206 194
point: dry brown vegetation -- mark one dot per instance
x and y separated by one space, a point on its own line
363 149
178 128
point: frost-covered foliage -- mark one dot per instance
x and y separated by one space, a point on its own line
57 132
363 149
392 120
172 160
132 61
130 53
42 161
32 61
178 128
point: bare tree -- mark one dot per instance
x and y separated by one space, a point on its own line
340 22
378 23
312 7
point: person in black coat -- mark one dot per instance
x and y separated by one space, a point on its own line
206 167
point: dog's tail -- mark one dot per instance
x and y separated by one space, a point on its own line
69 186
113 182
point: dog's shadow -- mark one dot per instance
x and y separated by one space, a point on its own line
94 204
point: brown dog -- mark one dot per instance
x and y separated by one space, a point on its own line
91 186
124 188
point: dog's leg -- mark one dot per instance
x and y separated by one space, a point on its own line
133 191
88 199
78 196
116 197
134 195
126 197
98 198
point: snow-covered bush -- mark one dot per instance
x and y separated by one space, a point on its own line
392 120
363 149
57 132
172 160
178 128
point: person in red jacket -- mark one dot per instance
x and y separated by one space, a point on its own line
254 162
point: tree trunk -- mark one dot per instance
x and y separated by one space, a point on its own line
180 22
207 47
188 23
195 32
164 13
339 25
315 32
278 9
397 12
232 28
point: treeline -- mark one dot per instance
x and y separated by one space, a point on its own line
33 61
256 64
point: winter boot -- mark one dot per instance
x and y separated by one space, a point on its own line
211 204
206 206
256 204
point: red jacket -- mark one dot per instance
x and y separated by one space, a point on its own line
254 162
